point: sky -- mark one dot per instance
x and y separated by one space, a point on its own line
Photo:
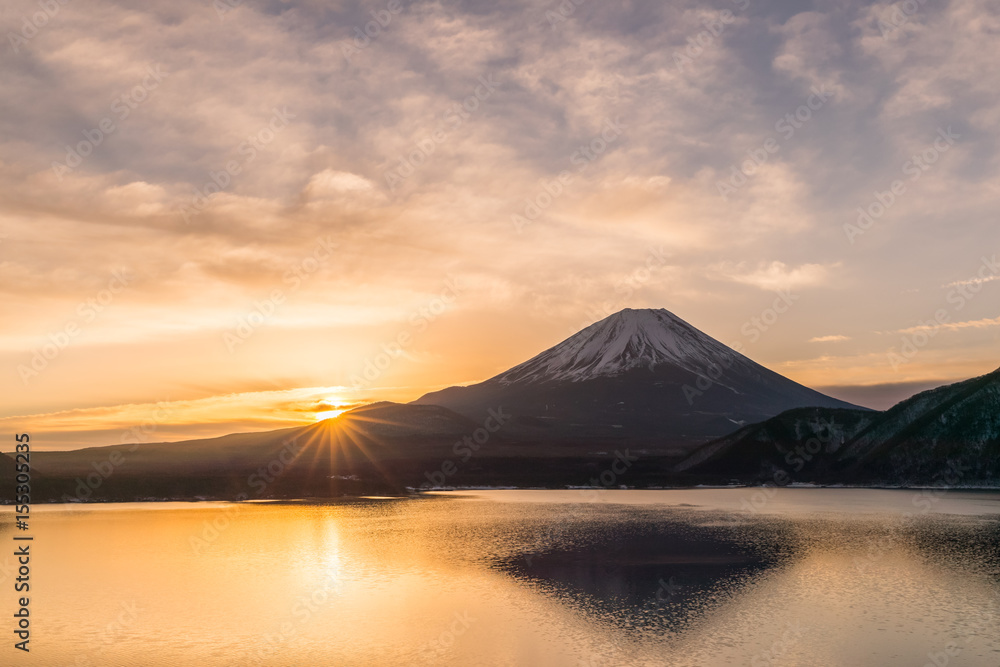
234 216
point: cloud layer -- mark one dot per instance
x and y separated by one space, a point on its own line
290 187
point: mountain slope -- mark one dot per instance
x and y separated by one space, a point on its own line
383 430
948 432
945 436
799 441
353 453
642 376
8 470
949 435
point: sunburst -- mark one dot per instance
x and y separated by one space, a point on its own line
329 414
349 444
331 408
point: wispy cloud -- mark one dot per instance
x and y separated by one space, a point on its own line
351 120
973 281
776 275
954 326
169 420
829 339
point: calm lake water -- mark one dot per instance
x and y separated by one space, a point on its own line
820 577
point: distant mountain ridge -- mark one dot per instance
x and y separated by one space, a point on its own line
612 394
645 376
949 435
958 422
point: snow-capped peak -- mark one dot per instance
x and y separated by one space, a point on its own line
628 339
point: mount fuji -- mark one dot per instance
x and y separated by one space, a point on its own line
641 388
643 376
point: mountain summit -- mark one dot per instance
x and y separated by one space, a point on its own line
627 340
642 376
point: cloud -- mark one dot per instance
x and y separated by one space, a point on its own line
168 420
829 339
972 281
811 50
775 275
331 182
350 121
984 323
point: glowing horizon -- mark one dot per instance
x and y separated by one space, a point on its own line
186 221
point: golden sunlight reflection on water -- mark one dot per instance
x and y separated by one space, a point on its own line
515 579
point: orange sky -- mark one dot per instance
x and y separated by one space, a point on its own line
217 222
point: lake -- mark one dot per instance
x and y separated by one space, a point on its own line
753 577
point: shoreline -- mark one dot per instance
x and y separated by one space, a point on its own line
424 492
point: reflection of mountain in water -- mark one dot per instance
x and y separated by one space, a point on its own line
680 573
651 570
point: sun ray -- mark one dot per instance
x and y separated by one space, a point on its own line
346 444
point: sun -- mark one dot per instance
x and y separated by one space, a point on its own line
329 414
330 408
